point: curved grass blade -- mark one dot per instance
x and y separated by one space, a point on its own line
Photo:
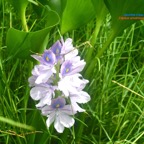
14 123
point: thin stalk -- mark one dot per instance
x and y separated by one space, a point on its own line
29 63
23 19
96 32
30 66
93 41
80 128
108 42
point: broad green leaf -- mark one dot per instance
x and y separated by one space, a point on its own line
76 14
49 17
21 44
100 9
57 5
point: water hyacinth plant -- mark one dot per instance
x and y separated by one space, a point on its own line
54 93
57 85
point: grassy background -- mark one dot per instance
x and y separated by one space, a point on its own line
115 113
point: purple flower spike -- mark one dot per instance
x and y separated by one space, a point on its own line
56 49
48 57
57 85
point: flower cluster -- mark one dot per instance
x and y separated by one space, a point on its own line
57 84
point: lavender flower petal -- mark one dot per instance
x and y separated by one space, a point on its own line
32 80
76 107
66 120
71 67
56 49
70 55
50 119
46 110
43 73
48 57
70 84
80 97
67 46
58 126
66 68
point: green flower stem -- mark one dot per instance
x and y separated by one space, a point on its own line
56 80
80 129
23 19
96 31
64 136
57 67
57 72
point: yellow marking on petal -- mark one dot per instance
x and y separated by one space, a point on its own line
58 105
57 51
67 70
47 59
